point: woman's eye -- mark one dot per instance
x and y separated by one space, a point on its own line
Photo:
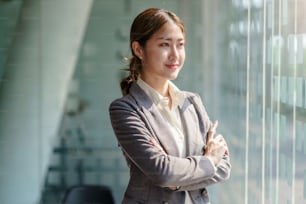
181 44
164 45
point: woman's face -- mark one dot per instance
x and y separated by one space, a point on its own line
164 54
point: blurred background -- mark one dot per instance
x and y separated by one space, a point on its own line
60 66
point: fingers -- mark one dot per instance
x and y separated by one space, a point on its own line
214 126
216 145
155 144
220 139
212 130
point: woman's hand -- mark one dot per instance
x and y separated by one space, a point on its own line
216 146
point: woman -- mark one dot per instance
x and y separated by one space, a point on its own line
165 134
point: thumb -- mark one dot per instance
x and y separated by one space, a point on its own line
212 130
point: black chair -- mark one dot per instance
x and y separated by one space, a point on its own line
88 194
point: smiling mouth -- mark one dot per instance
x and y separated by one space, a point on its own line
172 66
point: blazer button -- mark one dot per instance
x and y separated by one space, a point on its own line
204 192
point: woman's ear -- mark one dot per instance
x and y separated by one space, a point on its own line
137 49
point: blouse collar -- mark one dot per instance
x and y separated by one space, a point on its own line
176 94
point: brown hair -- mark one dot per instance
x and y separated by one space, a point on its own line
143 27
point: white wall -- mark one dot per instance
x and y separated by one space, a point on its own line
33 92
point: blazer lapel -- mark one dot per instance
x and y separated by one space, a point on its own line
162 132
155 121
191 124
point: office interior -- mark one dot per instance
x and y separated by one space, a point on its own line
60 66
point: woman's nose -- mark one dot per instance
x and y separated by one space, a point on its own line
174 54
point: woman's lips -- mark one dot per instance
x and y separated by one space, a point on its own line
172 66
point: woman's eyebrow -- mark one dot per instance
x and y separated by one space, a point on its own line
169 39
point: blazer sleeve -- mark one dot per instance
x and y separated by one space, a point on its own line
135 138
222 174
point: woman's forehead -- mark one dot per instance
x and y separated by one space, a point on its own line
169 31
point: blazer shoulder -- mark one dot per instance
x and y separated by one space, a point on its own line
136 99
123 102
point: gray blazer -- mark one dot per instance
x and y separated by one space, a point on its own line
156 177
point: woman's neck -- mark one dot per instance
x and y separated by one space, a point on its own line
161 86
